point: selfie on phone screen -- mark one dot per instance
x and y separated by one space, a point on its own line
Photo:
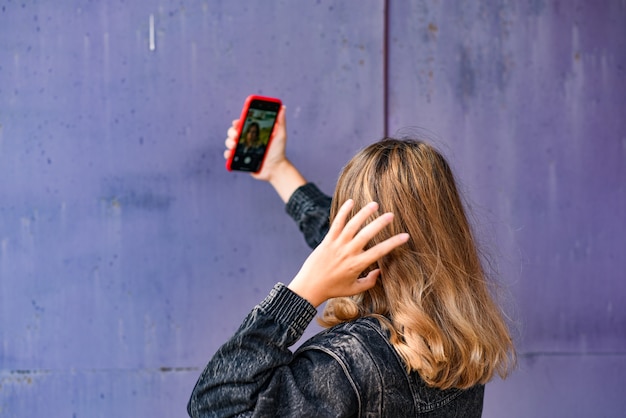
254 139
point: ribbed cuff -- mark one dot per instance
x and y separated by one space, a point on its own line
288 308
303 199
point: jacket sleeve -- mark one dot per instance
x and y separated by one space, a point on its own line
310 208
255 374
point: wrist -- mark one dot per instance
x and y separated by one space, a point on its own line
308 293
285 179
279 170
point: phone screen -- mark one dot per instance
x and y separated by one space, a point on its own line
255 136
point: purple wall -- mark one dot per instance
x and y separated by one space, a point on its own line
529 101
128 253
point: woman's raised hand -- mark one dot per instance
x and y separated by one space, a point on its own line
275 153
333 268
277 169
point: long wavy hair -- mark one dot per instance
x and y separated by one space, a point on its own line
433 294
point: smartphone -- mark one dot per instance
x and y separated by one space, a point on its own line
256 125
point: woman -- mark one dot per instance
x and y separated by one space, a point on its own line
251 137
413 330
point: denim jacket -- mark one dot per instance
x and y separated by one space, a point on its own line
350 370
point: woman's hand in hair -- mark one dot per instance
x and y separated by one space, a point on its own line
333 268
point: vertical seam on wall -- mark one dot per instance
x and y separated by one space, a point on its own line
386 69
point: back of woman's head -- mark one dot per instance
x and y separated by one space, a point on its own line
432 294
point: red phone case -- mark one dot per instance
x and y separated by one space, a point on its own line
242 118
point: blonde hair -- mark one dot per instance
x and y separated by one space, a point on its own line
433 294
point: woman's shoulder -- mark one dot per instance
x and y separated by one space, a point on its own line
363 349
356 328
363 339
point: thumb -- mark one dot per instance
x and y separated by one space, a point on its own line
367 282
281 121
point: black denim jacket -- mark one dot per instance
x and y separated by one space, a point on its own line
350 370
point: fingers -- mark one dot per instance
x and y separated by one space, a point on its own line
369 231
232 132
367 282
349 229
359 237
354 225
231 141
230 146
382 249
337 226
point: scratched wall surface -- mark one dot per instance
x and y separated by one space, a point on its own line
128 252
528 99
